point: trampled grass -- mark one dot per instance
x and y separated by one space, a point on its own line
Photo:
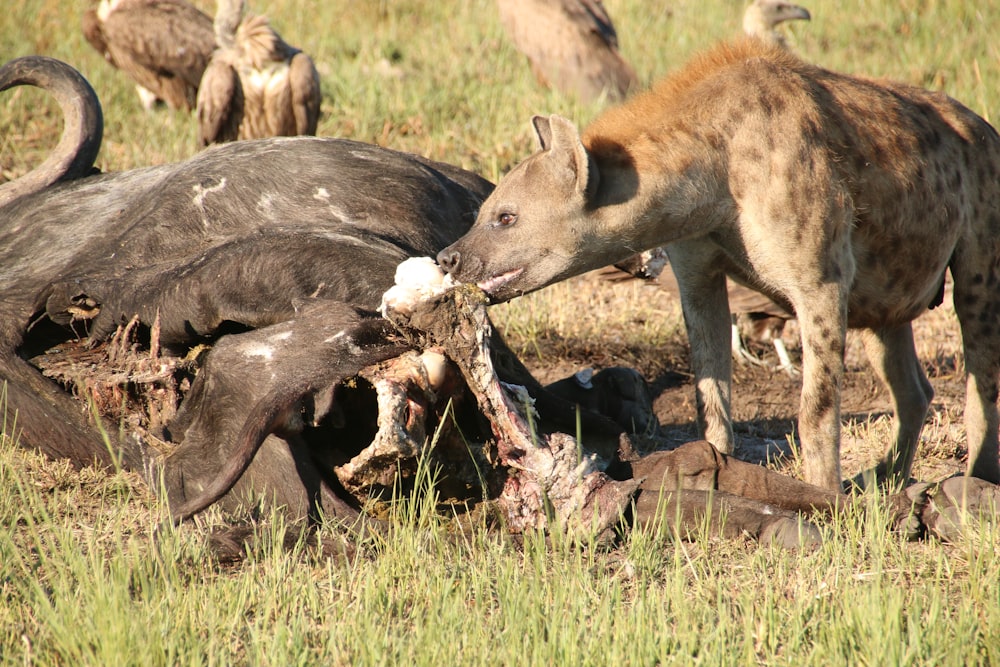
83 581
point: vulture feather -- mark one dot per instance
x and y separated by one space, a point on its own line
255 85
163 45
571 45
756 317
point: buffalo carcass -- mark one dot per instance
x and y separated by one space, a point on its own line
241 237
274 253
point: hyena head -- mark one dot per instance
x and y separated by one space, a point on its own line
534 229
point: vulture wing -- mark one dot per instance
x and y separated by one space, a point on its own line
164 45
304 81
220 104
571 45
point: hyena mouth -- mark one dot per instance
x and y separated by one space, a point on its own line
491 285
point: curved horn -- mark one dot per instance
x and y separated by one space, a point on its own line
83 122
367 342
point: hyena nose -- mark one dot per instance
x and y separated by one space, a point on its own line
449 260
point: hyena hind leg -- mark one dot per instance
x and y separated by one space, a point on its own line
977 304
893 356
823 323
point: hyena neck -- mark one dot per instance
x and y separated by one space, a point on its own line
663 155
657 191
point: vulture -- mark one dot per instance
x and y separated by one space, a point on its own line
760 319
755 316
163 45
571 45
762 18
255 85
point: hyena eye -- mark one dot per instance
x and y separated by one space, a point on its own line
506 219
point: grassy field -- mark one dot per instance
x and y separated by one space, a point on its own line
84 581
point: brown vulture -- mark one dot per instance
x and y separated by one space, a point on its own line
164 45
762 18
255 85
571 45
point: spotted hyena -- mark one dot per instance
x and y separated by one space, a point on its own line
843 198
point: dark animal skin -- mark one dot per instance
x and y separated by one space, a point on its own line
290 362
283 245
241 237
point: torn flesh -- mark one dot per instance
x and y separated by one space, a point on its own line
550 481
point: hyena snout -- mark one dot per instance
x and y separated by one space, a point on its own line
449 259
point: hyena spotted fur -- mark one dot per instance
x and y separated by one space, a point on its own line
843 198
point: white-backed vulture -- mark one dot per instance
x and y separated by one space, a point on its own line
762 18
163 45
571 45
256 85
755 317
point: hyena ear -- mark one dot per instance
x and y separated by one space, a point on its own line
560 136
543 131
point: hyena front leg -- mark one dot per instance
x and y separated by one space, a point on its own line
822 314
705 304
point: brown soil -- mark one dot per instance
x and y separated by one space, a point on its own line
765 399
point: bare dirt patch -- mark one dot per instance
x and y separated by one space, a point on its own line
609 324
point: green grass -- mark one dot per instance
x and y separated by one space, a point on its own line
462 93
82 581
90 586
